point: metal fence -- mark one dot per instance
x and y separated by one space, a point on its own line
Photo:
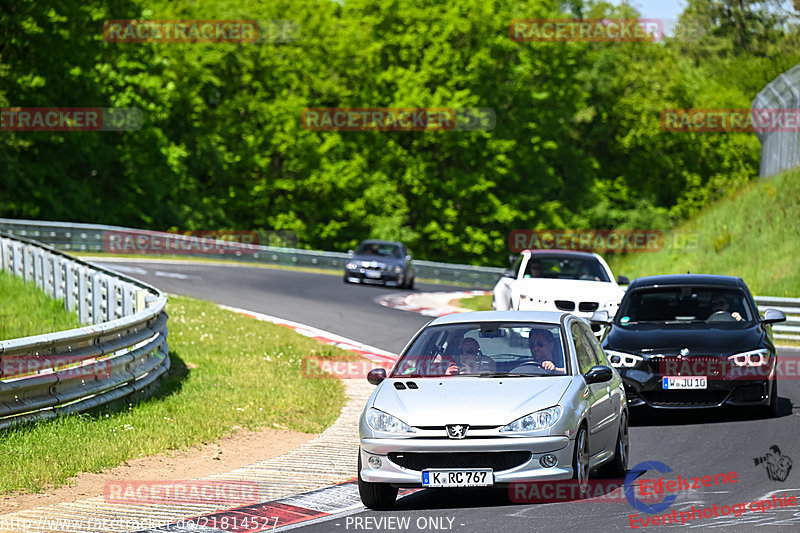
95 238
121 352
780 150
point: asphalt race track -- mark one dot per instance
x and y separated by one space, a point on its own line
691 443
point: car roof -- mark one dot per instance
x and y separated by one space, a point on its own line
559 251
546 317
687 279
377 241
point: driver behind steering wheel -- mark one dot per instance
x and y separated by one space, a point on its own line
719 304
544 350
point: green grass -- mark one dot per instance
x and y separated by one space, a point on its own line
476 303
228 371
25 310
753 234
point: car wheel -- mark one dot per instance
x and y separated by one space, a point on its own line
346 280
410 285
580 460
618 466
375 495
771 410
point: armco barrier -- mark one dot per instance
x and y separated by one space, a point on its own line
90 238
123 351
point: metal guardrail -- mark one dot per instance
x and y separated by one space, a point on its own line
780 150
122 352
789 330
94 238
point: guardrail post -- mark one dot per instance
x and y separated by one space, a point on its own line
38 268
47 281
141 300
111 299
83 296
69 288
96 298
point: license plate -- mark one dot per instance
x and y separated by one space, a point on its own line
685 382
372 274
458 478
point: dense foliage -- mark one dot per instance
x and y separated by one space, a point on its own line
577 141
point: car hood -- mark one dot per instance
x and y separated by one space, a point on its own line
469 400
699 339
570 289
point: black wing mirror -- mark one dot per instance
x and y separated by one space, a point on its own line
598 374
771 316
622 280
376 375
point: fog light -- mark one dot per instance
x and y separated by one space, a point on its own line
374 462
548 461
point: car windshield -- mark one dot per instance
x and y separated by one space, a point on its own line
686 305
565 267
380 250
486 350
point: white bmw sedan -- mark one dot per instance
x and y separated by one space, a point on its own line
492 398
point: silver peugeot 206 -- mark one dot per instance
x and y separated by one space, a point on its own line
488 399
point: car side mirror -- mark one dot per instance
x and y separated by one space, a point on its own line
376 375
600 317
771 316
408 257
598 374
349 252
509 274
622 280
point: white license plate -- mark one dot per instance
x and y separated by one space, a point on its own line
458 478
371 274
684 382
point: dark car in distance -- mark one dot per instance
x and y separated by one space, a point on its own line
381 262
693 341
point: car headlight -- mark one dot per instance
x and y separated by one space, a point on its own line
751 358
351 266
539 420
398 269
622 359
380 421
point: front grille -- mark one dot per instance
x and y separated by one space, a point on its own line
671 365
565 305
497 461
588 307
685 398
631 394
750 393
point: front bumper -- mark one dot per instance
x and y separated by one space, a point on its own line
441 453
644 387
386 277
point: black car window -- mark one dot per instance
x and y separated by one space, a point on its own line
586 358
565 267
380 250
686 304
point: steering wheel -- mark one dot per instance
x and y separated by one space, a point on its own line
720 316
521 369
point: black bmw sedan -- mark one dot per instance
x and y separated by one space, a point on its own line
693 341
382 262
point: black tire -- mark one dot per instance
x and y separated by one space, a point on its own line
346 280
771 410
580 460
618 466
410 285
375 495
